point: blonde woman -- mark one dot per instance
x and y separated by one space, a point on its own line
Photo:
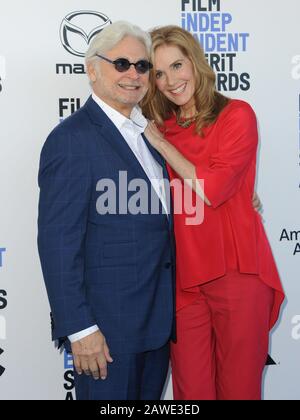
228 289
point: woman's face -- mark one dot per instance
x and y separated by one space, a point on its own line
174 75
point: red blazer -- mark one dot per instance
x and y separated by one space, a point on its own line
225 158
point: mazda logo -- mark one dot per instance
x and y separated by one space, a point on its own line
79 28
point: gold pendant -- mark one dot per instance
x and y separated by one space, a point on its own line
186 123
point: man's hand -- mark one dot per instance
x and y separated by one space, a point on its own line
91 355
256 202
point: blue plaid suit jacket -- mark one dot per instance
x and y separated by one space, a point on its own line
113 270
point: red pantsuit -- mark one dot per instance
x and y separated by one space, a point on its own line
223 340
228 292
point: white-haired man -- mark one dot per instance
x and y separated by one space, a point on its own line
109 275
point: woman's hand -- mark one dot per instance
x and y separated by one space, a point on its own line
154 136
256 202
184 168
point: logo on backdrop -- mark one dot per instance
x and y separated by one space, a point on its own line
79 28
292 236
211 27
2 251
270 361
76 32
3 300
2 369
68 375
2 71
296 328
67 107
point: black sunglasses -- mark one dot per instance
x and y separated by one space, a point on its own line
122 64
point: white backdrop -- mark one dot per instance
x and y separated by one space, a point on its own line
263 68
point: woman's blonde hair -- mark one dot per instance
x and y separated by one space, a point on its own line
208 101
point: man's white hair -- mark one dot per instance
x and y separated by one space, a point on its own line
110 36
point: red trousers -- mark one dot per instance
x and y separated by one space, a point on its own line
222 340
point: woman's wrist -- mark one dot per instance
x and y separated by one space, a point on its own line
162 147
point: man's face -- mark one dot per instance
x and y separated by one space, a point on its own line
122 91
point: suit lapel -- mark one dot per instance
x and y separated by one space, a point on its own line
115 139
153 151
158 157
112 135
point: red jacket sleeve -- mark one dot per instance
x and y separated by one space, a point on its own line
237 144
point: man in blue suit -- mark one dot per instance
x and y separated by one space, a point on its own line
108 265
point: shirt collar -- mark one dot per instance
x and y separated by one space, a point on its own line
136 119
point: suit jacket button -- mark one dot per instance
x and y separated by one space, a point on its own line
168 265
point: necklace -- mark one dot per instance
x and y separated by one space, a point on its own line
186 122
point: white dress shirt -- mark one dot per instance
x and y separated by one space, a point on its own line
132 129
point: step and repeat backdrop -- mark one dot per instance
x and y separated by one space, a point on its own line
252 45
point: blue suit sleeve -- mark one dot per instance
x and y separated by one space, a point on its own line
65 191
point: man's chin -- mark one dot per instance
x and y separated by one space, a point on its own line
132 101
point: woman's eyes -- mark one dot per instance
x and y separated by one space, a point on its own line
177 66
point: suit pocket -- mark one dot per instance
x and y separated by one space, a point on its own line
119 253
